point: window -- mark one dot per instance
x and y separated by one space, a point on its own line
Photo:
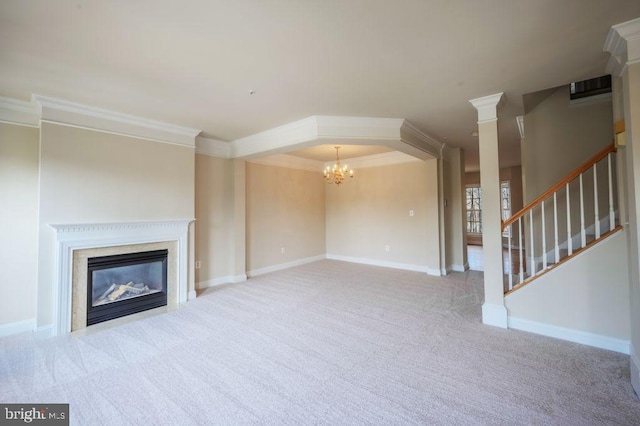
505 196
505 203
474 210
474 207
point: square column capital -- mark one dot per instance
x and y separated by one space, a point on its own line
487 107
623 42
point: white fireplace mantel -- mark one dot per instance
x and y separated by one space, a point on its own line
70 237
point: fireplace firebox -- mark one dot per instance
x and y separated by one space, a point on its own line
125 284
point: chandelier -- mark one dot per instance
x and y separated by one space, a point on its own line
337 174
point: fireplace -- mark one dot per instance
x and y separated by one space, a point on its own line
77 243
125 284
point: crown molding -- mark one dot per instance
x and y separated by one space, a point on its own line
213 147
290 162
520 121
623 43
340 127
375 160
416 138
70 113
487 107
396 133
276 140
19 112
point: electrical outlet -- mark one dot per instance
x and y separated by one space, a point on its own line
411 213
282 250
198 264
387 248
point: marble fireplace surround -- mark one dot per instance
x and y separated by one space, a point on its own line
79 240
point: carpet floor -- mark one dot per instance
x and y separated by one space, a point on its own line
324 343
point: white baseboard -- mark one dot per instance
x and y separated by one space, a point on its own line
229 279
571 335
459 268
287 265
17 327
495 315
634 361
394 265
44 332
191 295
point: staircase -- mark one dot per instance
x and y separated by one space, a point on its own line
574 214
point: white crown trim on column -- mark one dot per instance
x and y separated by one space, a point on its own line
520 121
213 147
19 112
487 107
617 43
70 113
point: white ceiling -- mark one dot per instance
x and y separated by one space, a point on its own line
193 63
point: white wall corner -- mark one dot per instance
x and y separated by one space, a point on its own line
460 268
68 113
213 147
239 278
623 43
634 361
487 107
520 122
19 112
495 315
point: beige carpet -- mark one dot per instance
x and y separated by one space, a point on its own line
325 343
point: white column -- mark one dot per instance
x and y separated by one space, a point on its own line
493 310
623 42
238 257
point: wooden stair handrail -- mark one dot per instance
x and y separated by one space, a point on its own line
571 176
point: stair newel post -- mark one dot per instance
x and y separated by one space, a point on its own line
544 239
583 232
596 223
520 254
493 310
612 214
569 242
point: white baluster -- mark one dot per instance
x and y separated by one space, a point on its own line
596 224
612 214
520 256
569 238
544 241
555 227
533 263
509 266
583 232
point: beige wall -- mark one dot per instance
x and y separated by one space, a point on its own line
89 176
18 222
589 293
214 218
372 211
285 208
560 137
